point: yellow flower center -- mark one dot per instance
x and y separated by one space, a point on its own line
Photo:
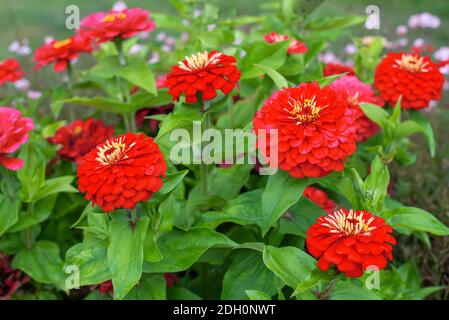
113 16
77 130
198 61
304 111
412 63
113 151
351 224
62 43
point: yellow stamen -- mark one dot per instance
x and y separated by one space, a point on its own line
113 16
412 63
113 151
62 43
305 111
351 224
198 61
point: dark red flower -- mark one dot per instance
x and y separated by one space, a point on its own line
331 69
117 24
357 92
106 288
352 240
10 71
80 137
315 131
61 52
203 73
294 47
417 79
170 279
13 133
320 198
121 172
10 280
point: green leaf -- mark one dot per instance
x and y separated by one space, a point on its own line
92 261
333 23
125 253
278 79
274 202
415 219
248 272
55 185
164 21
42 263
290 264
427 129
181 249
407 128
138 73
149 288
227 182
9 212
180 293
345 290
172 181
101 104
143 99
257 295
375 113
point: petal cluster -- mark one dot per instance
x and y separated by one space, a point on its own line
416 78
331 69
316 132
320 198
61 52
205 73
13 133
294 47
121 172
122 24
10 71
80 137
357 92
10 280
351 240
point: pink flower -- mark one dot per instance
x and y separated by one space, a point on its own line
401 30
13 133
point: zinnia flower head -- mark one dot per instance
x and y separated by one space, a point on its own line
10 71
357 92
294 47
331 69
13 133
320 198
417 79
10 280
80 137
121 24
315 132
205 73
352 240
121 172
62 52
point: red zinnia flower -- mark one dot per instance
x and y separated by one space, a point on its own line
315 131
203 72
170 279
105 287
331 69
294 47
352 240
10 71
121 172
417 79
320 198
79 137
117 24
62 52
13 133
10 280
357 92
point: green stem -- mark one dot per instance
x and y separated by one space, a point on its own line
70 84
204 271
203 166
121 55
28 233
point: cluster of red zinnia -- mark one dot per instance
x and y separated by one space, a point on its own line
316 132
352 240
79 137
10 71
205 73
121 172
13 133
357 92
417 79
320 198
331 69
122 24
62 52
294 47
10 280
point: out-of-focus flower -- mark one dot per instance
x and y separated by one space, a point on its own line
415 78
161 36
21 48
350 48
48 39
154 58
14 46
315 132
185 36
170 279
403 42
119 6
24 51
166 48
294 47
121 172
122 24
13 133
197 13
62 52
34 95
442 54
211 27
22 84
185 22
352 240
10 71
331 69
424 20
402 30
320 198
80 137
136 49
10 280
328 57
205 73
445 69
106 288
357 92
170 41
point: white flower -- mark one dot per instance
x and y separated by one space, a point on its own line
119 6
445 69
424 20
34 95
442 54
403 42
166 48
155 57
211 27
48 39
24 51
328 57
22 84
185 22
197 13
418 42
14 46
350 48
401 30
170 41
135 49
